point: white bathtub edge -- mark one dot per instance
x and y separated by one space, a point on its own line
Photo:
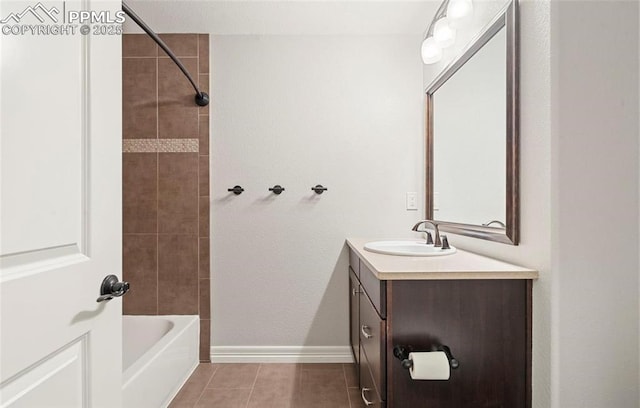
175 392
159 347
158 375
281 354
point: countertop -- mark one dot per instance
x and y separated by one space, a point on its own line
460 265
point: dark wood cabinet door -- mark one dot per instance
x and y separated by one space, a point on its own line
354 315
486 324
375 289
373 343
369 392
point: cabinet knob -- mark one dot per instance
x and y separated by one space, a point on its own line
364 399
364 329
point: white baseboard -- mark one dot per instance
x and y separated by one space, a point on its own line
281 354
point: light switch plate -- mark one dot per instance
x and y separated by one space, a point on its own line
412 201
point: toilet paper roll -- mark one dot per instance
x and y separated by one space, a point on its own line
429 365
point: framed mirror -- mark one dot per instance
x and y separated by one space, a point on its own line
472 123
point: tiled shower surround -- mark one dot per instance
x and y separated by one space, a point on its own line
166 180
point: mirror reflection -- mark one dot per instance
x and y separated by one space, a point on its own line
469 139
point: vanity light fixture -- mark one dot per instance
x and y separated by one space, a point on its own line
431 51
442 31
459 12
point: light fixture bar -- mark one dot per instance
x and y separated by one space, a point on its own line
442 10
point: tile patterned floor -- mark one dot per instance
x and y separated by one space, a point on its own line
270 386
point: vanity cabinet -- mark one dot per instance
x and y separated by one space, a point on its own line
486 322
368 343
354 315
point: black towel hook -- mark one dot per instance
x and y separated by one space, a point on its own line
237 190
277 189
319 189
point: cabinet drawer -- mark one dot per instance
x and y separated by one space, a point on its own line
368 391
354 262
355 292
375 289
373 343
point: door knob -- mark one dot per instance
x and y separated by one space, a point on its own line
111 287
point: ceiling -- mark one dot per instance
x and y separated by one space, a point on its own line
290 17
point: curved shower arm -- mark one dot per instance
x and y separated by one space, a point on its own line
202 99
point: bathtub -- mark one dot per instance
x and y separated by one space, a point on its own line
159 353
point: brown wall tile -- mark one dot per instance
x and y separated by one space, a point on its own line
182 45
177 111
140 194
178 122
139 98
204 216
204 268
204 82
166 263
178 193
204 176
177 274
203 53
205 340
204 134
138 45
139 268
205 305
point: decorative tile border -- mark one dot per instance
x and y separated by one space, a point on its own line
160 146
178 145
139 145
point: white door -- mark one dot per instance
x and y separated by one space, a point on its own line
60 209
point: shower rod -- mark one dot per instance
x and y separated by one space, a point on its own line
202 99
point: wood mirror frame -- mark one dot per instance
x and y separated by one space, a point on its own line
507 19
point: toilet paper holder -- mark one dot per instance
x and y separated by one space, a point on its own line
402 354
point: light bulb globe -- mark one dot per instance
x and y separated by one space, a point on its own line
459 12
443 33
431 52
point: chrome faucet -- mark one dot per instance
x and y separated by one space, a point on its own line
438 242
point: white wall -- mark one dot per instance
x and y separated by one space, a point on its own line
343 111
594 82
535 175
284 17
579 197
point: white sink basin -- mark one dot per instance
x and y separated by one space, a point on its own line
407 248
